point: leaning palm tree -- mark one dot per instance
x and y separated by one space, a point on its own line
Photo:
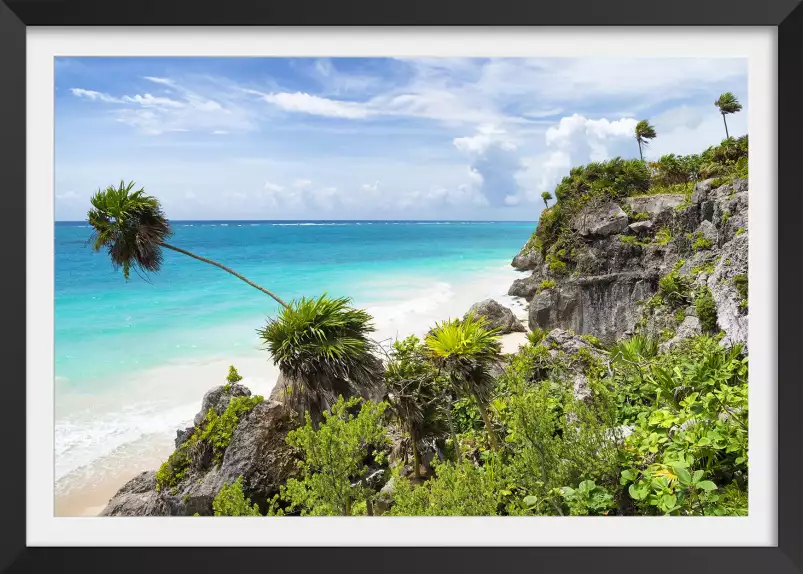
546 196
727 104
132 227
412 394
322 347
644 133
465 349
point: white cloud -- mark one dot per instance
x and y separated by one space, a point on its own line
68 196
149 100
494 163
302 183
93 95
273 186
315 105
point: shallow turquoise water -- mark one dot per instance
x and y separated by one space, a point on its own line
105 324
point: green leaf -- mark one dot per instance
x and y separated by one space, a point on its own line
698 474
530 501
628 475
683 475
706 485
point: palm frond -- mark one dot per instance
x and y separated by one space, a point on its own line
130 225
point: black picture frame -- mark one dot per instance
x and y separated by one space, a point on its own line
15 15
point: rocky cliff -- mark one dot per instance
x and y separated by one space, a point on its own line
623 249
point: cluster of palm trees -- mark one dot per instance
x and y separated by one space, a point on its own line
322 345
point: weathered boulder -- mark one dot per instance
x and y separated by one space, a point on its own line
689 327
138 497
497 316
709 231
528 259
525 287
641 227
657 206
600 220
219 398
701 190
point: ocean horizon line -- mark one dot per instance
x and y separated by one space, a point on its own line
84 222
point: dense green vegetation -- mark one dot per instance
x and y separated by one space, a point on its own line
619 178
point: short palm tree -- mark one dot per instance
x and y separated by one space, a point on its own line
322 347
132 227
644 133
727 104
466 349
546 196
412 394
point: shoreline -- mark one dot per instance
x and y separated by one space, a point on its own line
86 489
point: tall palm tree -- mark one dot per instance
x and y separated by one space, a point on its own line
322 347
412 394
644 133
466 350
546 196
132 227
727 104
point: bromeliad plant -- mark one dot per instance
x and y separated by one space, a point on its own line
466 350
322 346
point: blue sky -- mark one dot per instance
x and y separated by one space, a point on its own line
364 138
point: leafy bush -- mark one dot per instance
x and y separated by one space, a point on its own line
592 340
588 499
334 458
663 236
233 376
700 241
706 310
547 284
536 336
231 501
740 283
674 289
556 266
641 216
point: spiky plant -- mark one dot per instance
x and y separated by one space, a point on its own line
466 349
132 227
727 104
412 394
322 346
644 133
546 196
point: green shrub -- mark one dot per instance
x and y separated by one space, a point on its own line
740 231
536 336
629 239
674 289
556 266
700 241
663 236
546 284
706 310
231 501
592 340
641 216
233 376
680 315
588 499
740 283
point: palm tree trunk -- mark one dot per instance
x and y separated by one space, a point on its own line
726 127
546 205
641 155
232 271
416 455
451 430
488 426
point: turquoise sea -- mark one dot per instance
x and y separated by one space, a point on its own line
133 358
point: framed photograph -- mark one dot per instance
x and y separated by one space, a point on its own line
476 283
